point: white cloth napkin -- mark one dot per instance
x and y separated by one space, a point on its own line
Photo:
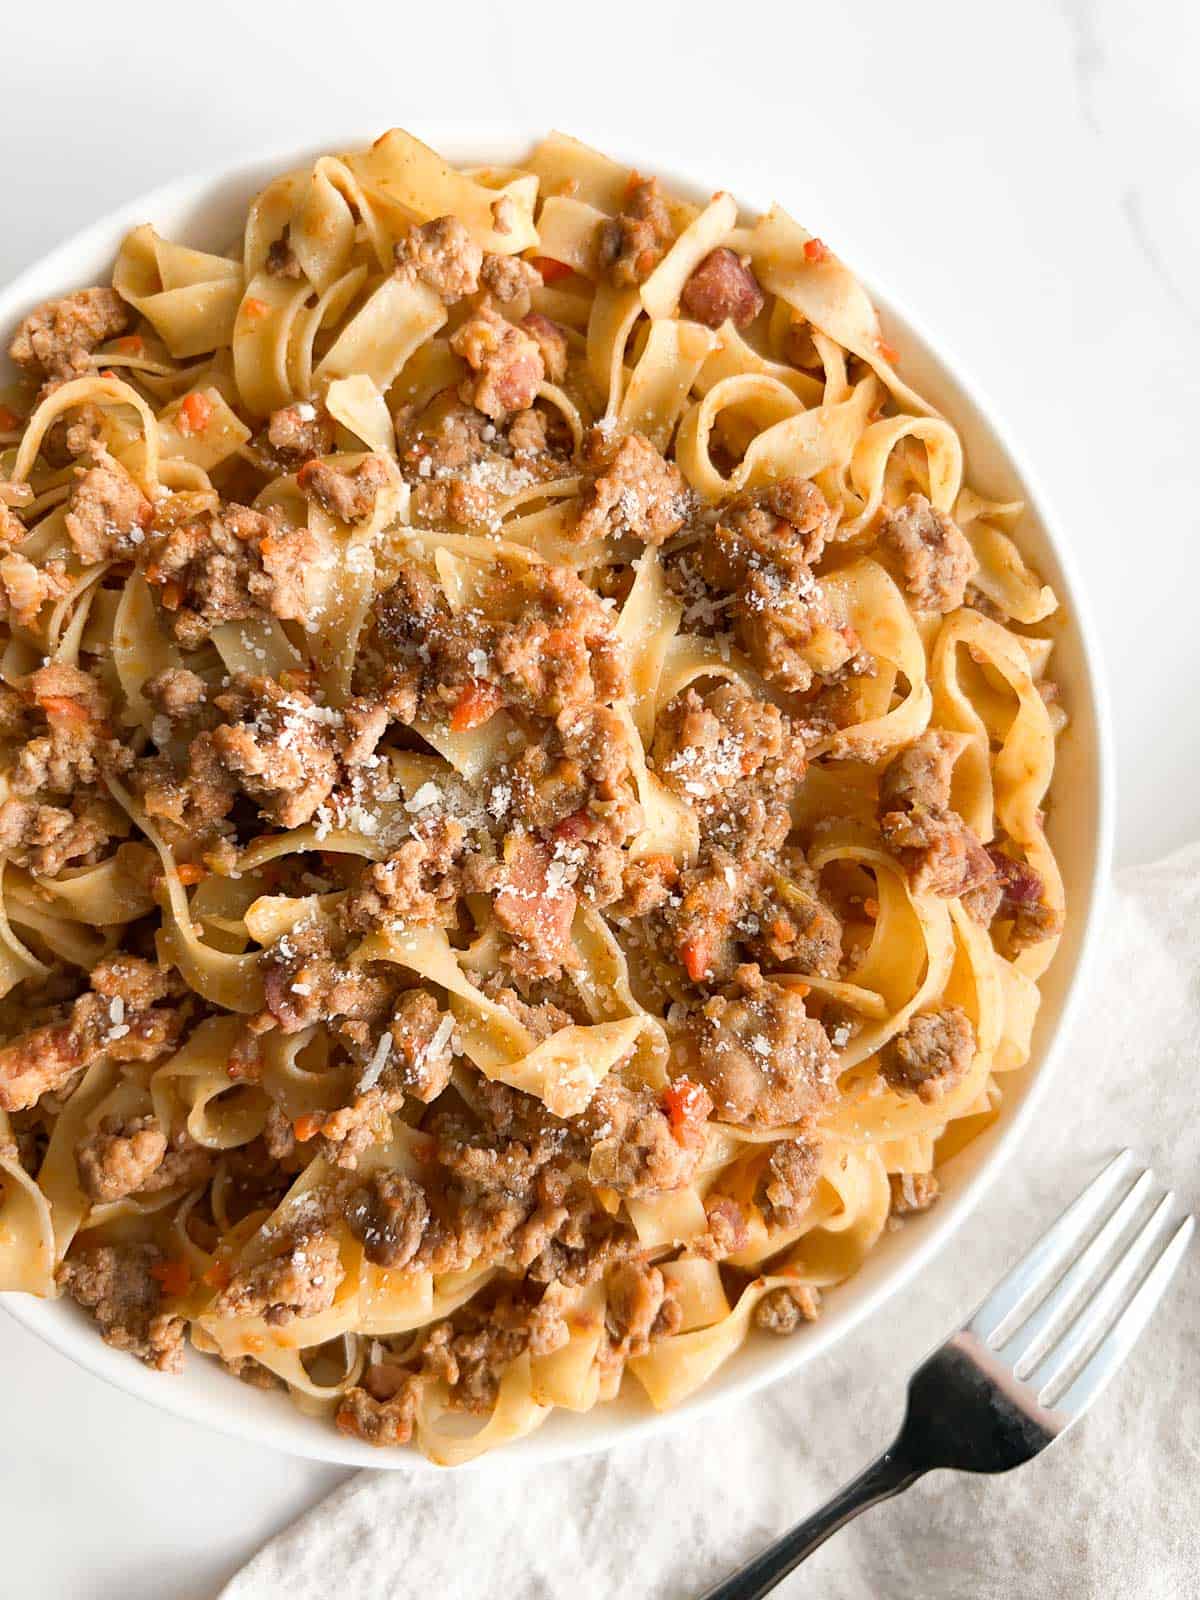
1109 1514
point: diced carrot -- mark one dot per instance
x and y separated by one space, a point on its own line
696 952
130 344
255 1343
254 307
477 704
107 372
175 1276
782 931
550 269
9 419
816 250
62 709
217 1276
802 989
195 413
191 872
686 1105
888 351
308 1126
172 595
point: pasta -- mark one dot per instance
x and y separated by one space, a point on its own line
522 796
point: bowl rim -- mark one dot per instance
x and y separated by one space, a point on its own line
296 1434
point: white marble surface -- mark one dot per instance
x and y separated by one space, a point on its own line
1025 177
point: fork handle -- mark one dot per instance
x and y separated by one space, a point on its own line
880 1481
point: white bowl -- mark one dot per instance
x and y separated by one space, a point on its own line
208 211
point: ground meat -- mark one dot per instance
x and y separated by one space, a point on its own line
938 850
378 1421
932 1055
534 906
646 885
119 1157
299 1282
541 1018
787 1184
231 565
630 245
706 743
635 491
461 465
422 1044
1034 923
551 341
760 553
787 921
116 1284
1017 892
936 560
913 1192
920 775
177 692
190 804
288 752
746 892
509 277
76 749
297 433
763 1060
558 652
640 1308
136 983
539 641
417 886
389 1215
728 1231
56 339
506 363
114 1018
107 513
575 788
636 1147
722 288
282 261
442 254
25 589
40 1062
418 1063
252 1372
527 434
474 1360
305 979
45 839
347 494
783 1310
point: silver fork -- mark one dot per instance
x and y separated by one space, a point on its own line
1026 1366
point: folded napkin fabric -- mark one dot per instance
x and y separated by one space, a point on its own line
1109 1514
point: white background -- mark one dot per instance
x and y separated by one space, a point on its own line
1025 177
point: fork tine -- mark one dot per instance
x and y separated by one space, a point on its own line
1034 1328
1099 1311
1127 1330
1036 1270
